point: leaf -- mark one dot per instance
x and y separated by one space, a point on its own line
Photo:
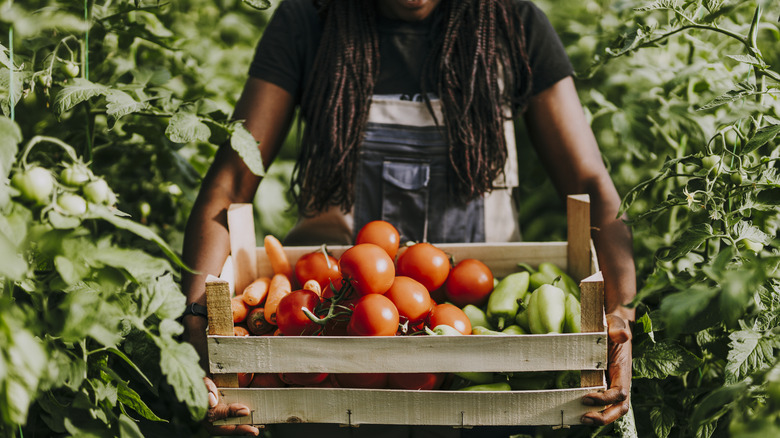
728 97
761 137
747 59
179 363
79 91
750 352
128 397
691 239
716 403
662 418
121 104
662 359
121 355
746 230
245 144
128 428
10 137
258 4
12 264
658 4
186 127
691 310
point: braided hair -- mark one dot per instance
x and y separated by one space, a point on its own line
480 69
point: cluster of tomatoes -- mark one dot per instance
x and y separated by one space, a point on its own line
374 289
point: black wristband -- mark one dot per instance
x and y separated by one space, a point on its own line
196 310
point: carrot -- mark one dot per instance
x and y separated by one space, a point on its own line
255 293
279 287
279 262
239 330
314 286
256 323
240 309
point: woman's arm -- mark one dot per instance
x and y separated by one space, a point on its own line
567 148
267 111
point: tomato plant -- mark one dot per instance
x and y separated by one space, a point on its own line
291 319
425 263
469 282
36 184
451 315
382 234
319 266
411 298
368 268
373 315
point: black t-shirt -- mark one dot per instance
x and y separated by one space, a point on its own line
286 52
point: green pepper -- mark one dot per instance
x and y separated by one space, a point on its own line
567 379
445 330
499 386
479 330
476 316
514 329
572 322
547 310
504 301
539 278
522 316
566 282
472 376
533 380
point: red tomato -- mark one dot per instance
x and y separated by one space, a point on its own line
469 282
244 379
410 297
425 263
289 316
415 381
362 380
374 315
368 268
450 315
303 379
320 267
382 234
267 380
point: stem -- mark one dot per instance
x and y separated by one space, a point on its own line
88 19
41 139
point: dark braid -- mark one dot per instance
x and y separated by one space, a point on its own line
481 71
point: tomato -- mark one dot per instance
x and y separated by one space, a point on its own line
736 177
368 268
410 297
290 317
415 381
450 315
36 184
244 379
374 315
73 205
425 263
324 268
469 282
70 69
303 379
98 192
267 380
361 380
75 176
711 162
382 234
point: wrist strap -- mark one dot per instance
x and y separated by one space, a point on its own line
196 310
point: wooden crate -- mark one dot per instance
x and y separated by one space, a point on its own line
586 351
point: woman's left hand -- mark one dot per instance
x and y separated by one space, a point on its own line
616 397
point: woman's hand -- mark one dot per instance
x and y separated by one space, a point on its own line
221 411
616 397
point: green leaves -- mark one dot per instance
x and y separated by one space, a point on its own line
247 147
179 363
659 360
186 127
79 91
749 352
258 4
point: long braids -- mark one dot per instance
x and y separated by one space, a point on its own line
481 71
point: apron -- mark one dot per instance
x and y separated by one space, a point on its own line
402 179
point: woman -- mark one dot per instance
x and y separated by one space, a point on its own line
409 107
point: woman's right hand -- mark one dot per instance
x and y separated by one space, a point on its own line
221 411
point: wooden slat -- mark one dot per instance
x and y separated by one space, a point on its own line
578 224
570 351
220 316
447 408
243 245
593 320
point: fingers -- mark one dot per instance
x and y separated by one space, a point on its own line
611 396
606 416
212 388
238 429
219 411
618 329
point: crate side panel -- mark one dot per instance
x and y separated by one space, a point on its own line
445 408
571 351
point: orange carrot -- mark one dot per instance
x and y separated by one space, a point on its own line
255 293
240 309
279 262
279 287
314 286
239 330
